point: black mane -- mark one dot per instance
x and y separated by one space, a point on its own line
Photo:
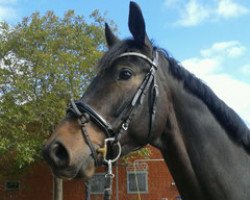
226 116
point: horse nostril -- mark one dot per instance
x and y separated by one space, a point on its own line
59 155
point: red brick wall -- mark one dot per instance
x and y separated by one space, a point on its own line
160 182
38 183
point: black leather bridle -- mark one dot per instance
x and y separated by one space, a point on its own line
85 113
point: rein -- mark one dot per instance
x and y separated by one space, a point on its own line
85 114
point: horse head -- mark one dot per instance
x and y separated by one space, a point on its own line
119 103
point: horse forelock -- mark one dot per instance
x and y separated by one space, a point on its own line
226 116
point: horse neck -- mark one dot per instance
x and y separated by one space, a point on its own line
197 149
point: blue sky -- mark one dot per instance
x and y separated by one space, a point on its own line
211 38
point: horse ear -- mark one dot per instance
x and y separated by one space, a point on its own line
111 39
136 24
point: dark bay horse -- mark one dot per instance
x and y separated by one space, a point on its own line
141 95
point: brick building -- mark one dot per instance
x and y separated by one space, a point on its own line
142 179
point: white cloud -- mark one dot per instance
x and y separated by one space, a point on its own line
232 49
228 8
212 58
201 67
232 91
195 12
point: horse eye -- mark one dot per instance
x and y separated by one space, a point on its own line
125 74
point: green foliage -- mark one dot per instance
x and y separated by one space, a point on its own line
142 153
43 61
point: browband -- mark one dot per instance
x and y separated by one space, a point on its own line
152 63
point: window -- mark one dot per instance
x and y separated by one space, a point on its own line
97 183
137 181
12 185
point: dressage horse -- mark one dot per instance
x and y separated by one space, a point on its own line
141 96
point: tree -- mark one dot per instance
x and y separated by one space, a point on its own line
43 61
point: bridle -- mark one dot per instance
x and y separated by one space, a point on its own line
85 113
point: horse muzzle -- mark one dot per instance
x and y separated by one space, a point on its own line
64 166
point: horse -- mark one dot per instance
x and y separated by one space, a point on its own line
141 95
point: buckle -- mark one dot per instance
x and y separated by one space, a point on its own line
125 126
83 119
104 150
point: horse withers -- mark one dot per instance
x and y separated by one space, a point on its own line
140 96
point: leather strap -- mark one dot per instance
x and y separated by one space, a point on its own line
85 113
82 107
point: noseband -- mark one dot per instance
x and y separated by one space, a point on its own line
85 113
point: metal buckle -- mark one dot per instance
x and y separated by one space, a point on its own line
110 161
104 150
125 126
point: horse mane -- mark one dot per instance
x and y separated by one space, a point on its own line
226 116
